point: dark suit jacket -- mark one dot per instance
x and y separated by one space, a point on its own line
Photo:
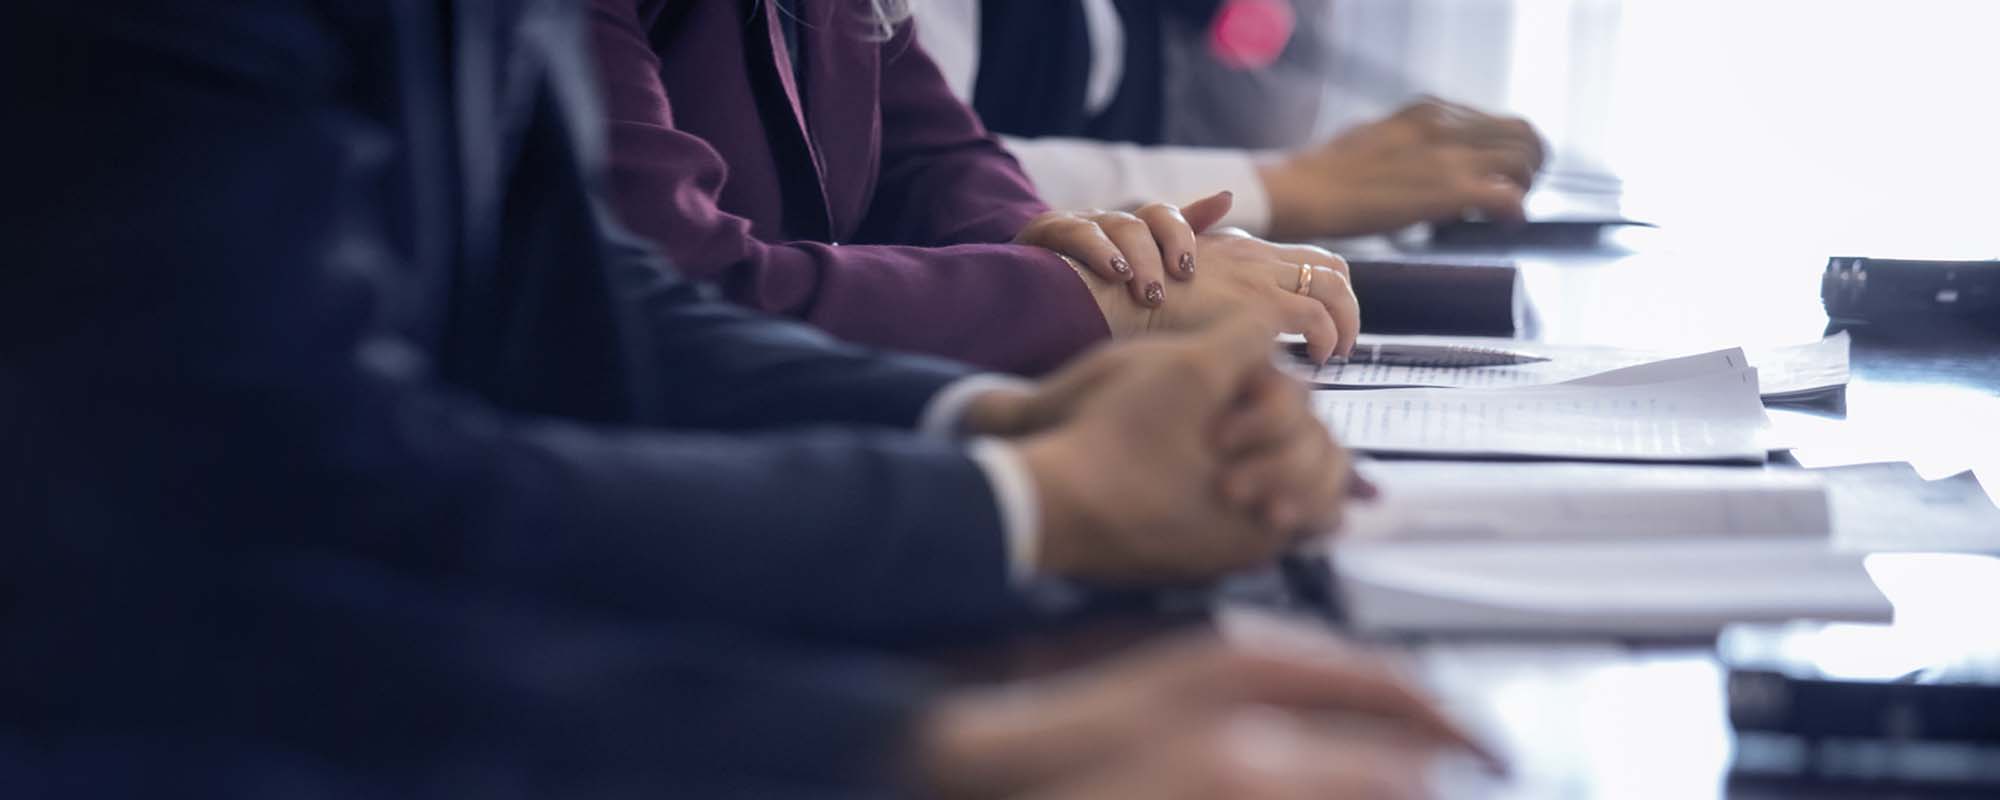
317 677
329 282
748 171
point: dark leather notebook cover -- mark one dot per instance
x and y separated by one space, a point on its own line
1465 298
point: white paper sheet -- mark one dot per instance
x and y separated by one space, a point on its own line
1667 370
1882 508
1710 417
1644 589
1454 500
1786 372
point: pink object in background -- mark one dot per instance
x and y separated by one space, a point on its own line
1250 34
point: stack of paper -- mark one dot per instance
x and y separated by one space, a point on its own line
1695 408
1786 373
1649 588
1489 501
1593 548
1880 508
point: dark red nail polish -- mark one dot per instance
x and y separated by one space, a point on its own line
1155 293
1119 266
1187 263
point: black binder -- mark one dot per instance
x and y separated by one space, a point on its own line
1465 298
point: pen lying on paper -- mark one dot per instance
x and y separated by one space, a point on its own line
1427 355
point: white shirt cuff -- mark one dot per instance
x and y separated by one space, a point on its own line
1075 174
944 415
1013 486
1020 509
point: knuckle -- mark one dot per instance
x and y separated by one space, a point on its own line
1430 114
1073 225
1424 107
1339 264
1119 220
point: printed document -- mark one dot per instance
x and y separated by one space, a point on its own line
1713 416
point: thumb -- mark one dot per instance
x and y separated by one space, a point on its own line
1205 213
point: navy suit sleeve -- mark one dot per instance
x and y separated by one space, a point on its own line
308 676
197 344
756 371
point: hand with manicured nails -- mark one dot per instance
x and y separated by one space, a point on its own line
1137 251
1430 161
1197 718
1242 274
1171 459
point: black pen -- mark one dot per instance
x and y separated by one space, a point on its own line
1429 355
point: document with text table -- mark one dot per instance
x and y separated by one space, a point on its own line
1786 373
1714 416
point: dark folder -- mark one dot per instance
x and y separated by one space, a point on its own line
1465 298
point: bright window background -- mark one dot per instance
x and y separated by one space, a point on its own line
1851 126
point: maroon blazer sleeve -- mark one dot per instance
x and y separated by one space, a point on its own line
1001 306
933 149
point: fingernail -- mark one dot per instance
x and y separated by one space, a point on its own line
1362 488
1229 194
1155 294
1187 263
1119 266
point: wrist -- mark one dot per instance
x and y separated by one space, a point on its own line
1293 202
1122 315
1064 514
997 412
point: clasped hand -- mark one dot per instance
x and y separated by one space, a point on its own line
1172 458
